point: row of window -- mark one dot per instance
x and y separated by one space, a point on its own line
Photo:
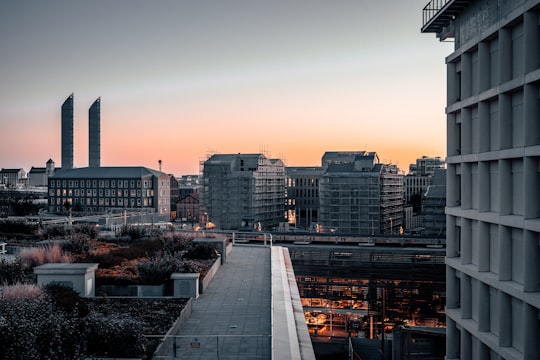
128 202
100 183
101 192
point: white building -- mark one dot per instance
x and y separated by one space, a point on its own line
493 162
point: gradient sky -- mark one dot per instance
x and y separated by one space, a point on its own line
183 79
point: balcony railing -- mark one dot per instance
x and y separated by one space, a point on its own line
432 9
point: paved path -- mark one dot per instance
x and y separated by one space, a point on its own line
232 318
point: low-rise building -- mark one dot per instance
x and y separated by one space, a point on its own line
96 190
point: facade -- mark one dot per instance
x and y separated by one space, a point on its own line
99 190
303 195
12 177
243 191
420 175
174 191
39 176
187 208
67 133
433 207
358 195
493 161
94 134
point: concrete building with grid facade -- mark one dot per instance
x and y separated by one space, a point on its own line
493 165
243 191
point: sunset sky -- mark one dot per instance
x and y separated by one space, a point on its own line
182 79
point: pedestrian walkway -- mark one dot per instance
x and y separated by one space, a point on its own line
232 318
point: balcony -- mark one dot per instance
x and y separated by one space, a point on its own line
438 16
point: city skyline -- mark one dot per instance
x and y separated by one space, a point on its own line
179 81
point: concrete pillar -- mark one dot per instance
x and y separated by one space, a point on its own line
505 121
466 241
531 103
466 345
483 306
483 245
452 290
531 178
451 239
466 296
505 252
505 187
505 319
531 39
531 331
466 186
466 131
452 340
531 258
483 186
453 87
505 55
484 353
483 71
484 126
466 77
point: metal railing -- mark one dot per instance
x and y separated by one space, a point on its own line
432 9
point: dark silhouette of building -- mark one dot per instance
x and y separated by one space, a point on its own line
67 133
94 134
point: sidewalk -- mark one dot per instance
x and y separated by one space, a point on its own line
232 318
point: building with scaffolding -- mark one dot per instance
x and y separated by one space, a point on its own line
359 195
303 195
493 161
243 191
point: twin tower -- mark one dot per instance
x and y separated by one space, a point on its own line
94 133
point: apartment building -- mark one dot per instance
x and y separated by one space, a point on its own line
96 190
243 191
303 195
359 195
493 162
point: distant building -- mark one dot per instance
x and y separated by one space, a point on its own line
11 178
39 176
94 134
420 175
67 133
188 209
188 184
174 191
243 191
98 190
433 207
358 195
493 162
303 195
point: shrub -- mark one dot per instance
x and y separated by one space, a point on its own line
35 256
32 329
79 244
201 252
20 291
158 269
66 299
115 336
175 243
11 272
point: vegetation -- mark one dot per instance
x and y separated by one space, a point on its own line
53 322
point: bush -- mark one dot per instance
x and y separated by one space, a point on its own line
115 336
66 300
12 272
79 244
201 252
32 329
158 269
35 256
